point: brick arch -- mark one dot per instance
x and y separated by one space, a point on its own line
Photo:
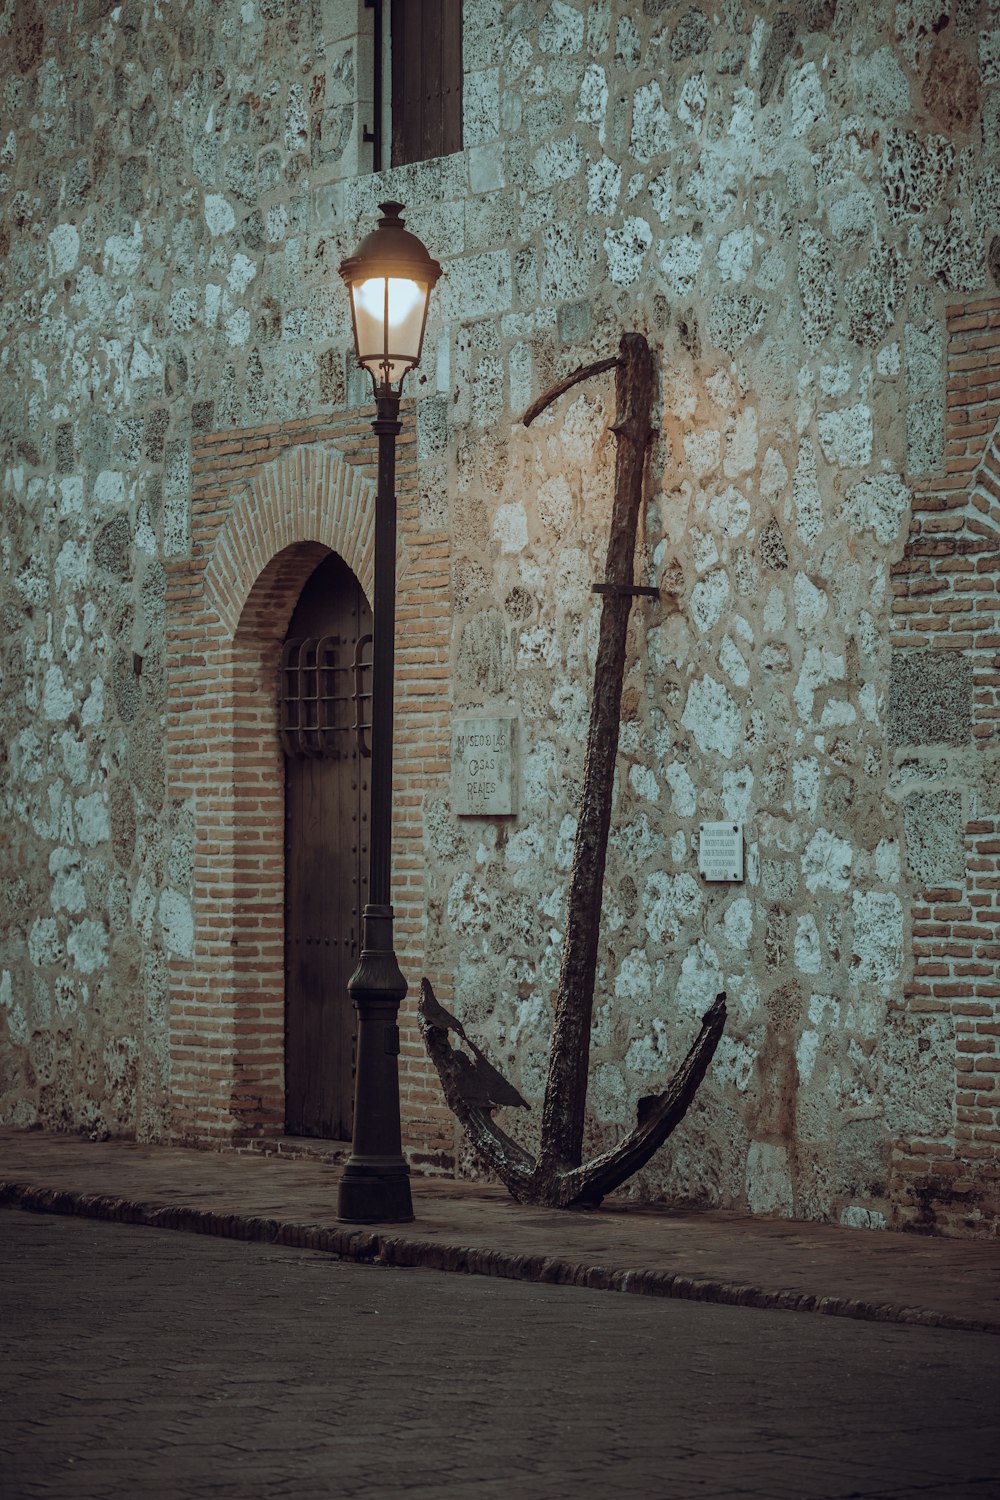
266 508
306 494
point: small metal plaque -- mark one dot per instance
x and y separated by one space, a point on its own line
720 851
482 767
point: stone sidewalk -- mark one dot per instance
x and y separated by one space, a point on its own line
708 1256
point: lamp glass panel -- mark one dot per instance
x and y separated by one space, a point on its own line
397 341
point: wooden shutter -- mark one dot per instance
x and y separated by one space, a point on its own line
426 39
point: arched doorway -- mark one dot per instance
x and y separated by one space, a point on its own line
327 802
263 517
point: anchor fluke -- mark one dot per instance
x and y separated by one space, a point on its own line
434 1013
476 1079
658 1115
473 1091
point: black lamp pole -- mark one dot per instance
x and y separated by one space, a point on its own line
375 1184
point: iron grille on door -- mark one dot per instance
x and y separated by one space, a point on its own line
324 698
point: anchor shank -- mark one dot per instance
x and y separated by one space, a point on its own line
566 1088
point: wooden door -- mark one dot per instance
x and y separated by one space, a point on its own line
327 802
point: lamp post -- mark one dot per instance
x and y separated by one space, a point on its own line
390 280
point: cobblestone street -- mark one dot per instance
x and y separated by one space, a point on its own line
144 1362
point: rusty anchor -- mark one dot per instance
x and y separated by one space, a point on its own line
472 1086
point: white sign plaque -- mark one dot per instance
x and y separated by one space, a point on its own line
720 851
482 767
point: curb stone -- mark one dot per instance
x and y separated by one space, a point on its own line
370 1247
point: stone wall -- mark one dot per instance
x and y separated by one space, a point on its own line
800 208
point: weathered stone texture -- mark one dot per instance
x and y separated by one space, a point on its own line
930 698
785 201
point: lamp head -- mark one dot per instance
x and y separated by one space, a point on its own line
390 278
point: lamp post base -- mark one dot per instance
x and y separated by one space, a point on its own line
375 1186
375 1192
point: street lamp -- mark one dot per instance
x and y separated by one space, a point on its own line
390 280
